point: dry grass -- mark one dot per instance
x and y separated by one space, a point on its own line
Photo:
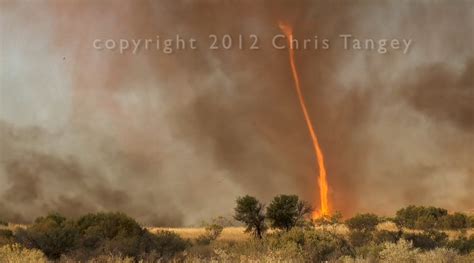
229 233
390 226
238 234
12 226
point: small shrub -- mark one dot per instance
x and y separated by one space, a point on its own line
223 221
111 259
456 221
419 217
426 222
438 255
427 240
16 253
471 221
6 237
332 219
369 252
112 233
3 223
53 235
402 251
363 222
167 244
212 233
384 236
463 245
314 245
359 238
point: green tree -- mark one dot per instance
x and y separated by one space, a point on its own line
287 211
251 212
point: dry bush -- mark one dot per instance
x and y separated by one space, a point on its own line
400 252
438 255
6 237
15 253
213 231
111 259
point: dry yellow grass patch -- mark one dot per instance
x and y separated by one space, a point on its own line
387 225
229 233
339 229
12 226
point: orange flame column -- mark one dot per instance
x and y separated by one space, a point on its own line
322 180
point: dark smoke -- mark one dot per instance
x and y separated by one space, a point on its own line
173 139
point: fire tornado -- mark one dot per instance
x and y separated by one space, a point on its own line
322 180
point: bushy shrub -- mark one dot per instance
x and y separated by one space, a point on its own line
456 221
53 235
98 234
463 245
384 236
213 231
112 233
359 238
402 251
165 244
332 219
118 234
419 217
111 259
471 220
427 240
438 255
16 253
6 237
426 222
369 252
363 222
3 223
315 245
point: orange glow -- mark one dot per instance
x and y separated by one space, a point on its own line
322 180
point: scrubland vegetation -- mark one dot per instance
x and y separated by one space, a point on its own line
279 232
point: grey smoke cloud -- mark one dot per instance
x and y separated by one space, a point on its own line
174 139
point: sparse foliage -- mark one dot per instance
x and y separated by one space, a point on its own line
402 251
251 212
212 233
16 253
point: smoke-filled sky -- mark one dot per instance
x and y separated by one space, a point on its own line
172 139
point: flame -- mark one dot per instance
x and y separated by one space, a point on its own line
322 180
